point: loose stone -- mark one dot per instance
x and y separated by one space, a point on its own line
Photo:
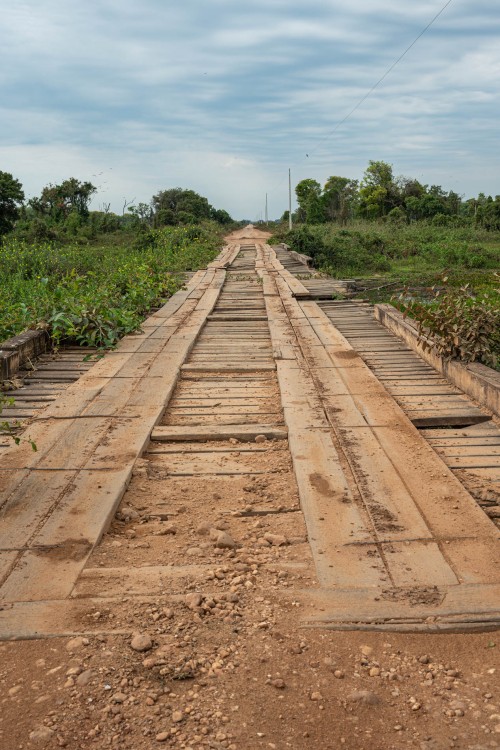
141 642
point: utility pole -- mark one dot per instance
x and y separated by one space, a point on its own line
290 199
267 218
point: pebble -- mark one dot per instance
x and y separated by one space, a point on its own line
363 696
118 698
194 600
41 736
203 528
177 716
75 644
366 650
167 529
276 540
316 696
260 439
224 541
141 642
84 678
162 736
127 511
278 684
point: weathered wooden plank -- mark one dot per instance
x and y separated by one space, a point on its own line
218 432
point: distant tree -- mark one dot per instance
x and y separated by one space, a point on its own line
220 216
58 201
340 195
142 213
178 206
311 209
489 213
11 197
379 192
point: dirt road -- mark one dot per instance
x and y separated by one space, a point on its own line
290 564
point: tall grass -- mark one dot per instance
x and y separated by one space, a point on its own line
365 248
93 295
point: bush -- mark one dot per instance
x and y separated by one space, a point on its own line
459 325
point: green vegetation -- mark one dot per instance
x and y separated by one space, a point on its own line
405 264
94 294
11 197
460 324
401 236
367 248
90 277
398 200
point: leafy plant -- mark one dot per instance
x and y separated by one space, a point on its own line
459 324
95 295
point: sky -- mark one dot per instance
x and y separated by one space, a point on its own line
223 97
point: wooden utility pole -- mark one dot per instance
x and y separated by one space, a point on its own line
290 199
267 218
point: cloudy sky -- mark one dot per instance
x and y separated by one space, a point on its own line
223 97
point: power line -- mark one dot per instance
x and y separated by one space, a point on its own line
380 80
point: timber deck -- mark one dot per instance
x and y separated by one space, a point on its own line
244 357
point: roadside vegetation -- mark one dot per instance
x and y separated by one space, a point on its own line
431 253
90 277
94 294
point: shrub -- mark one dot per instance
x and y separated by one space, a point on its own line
459 325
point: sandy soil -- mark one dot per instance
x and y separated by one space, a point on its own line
223 660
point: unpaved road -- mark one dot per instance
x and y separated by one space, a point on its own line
187 621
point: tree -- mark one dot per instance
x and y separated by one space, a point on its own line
178 206
339 197
58 201
379 191
142 214
220 216
11 197
311 208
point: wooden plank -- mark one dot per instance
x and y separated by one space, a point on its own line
465 451
218 432
273 418
158 579
446 444
192 367
221 410
74 504
178 464
451 418
399 456
488 429
450 605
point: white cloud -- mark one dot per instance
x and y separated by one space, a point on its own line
223 98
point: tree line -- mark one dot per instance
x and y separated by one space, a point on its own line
382 196
63 211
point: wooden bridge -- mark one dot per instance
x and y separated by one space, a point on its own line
249 374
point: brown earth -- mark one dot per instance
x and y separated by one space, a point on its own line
227 663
